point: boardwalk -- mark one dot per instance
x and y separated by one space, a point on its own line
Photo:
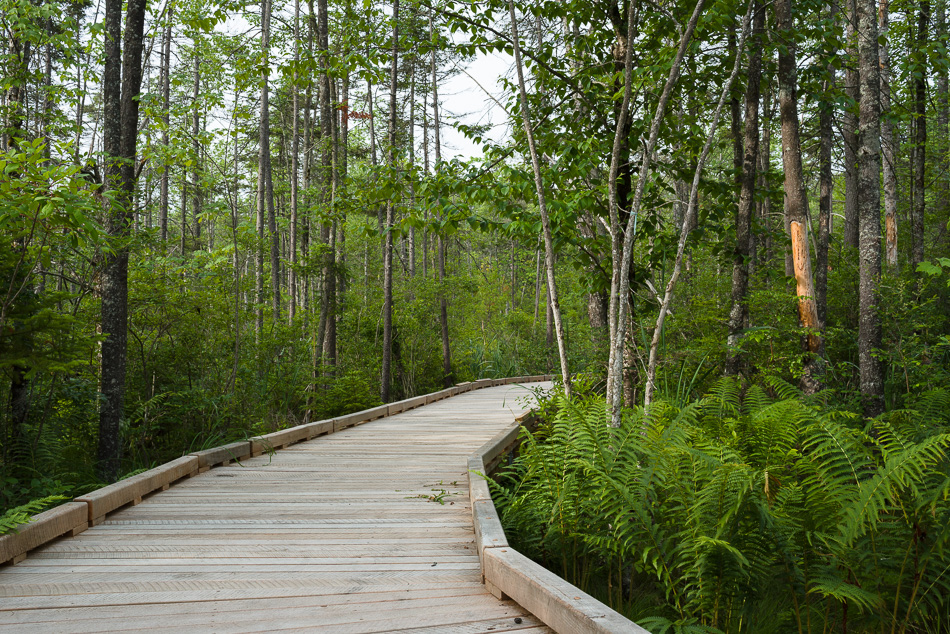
365 530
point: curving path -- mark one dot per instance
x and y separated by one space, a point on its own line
365 530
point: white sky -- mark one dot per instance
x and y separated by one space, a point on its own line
471 96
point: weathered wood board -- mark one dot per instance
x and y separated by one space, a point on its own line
368 529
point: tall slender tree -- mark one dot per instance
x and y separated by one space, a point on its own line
796 196
447 375
121 84
546 231
869 249
920 134
386 379
750 149
888 143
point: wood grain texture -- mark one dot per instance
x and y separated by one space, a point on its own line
43 527
131 490
368 529
555 601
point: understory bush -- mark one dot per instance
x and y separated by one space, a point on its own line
749 510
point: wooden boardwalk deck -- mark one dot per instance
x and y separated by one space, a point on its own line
365 530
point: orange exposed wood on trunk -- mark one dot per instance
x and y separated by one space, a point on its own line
890 232
805 286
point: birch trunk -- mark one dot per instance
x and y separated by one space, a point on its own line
622 249
542 206
691 211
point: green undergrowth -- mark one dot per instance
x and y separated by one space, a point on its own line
752 509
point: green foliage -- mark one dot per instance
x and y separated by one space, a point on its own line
748 510
19 515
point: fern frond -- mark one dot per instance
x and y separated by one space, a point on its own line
900 470
842 591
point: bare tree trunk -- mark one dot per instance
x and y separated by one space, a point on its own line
412 159
825 186
265 191
869 161
622 247
448 377
691 210
196 147
764 208
542 206
849 128
343 136
121 84
266 174
738 315
390 220
920 140
292 290
888 144
304 228
184 213
796 197
326 331
166 104
942 201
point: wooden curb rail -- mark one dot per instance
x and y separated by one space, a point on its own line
91 509
508 574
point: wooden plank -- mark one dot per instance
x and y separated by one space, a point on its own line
405 405
42 528
562 606
477 484
223 454
131 490
328 523
488 530
503 442
279 439
319 428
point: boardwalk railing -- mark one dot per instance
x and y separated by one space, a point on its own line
509 574
91 509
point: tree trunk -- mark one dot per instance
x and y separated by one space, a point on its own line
122 79
412 160
166 104
386 378
689 220
764 208
542 206
448 377
265 191
196 148
292 290
920 140
327 324
942 198
738 315
825 186
888 144
849 129
869 161
797 200
622 248
942 98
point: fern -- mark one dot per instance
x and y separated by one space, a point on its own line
742 512
20 515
